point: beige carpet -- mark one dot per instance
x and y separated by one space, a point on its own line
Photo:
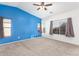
39 47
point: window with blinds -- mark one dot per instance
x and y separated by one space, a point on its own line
7 27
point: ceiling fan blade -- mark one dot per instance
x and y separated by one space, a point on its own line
45 8
36 5
48 5
38 8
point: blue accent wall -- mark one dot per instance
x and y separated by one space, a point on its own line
24 25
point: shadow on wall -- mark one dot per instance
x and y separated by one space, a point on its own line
24 25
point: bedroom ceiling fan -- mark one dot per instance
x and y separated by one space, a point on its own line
42 5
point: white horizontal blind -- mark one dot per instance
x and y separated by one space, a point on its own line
7 27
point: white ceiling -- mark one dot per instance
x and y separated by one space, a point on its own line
57 8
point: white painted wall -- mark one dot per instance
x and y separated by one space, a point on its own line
74 14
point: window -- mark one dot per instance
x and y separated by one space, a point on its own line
5 27
39 27
62 27
58 27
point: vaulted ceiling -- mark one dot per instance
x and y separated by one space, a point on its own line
56 8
